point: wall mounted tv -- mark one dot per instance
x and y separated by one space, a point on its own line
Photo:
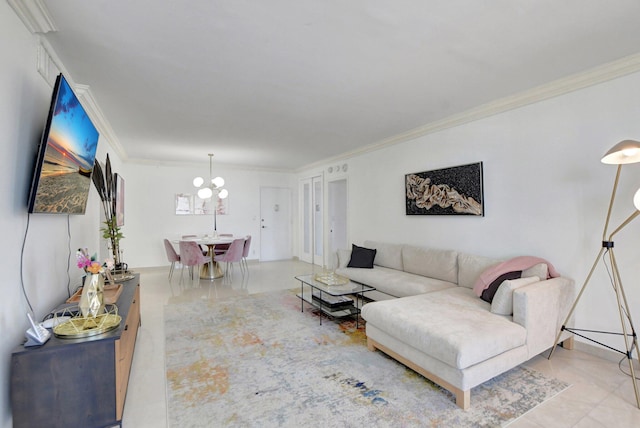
62 176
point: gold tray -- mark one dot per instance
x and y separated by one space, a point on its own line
85 327
110 294
331 279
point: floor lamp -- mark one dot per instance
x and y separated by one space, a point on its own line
627 151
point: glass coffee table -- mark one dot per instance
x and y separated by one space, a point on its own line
332 299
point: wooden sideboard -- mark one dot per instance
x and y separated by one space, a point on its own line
77 382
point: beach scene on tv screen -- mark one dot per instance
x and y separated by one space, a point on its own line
65 178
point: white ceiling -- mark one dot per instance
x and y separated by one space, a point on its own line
287 83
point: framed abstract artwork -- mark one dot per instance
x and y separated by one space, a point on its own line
184 204
456 190
119 211
202 206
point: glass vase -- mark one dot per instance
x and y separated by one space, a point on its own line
92 298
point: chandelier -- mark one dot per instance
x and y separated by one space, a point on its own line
214 187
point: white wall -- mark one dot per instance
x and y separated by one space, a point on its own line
546 192
150 207
52 240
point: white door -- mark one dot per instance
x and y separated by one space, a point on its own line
275 223
312 227
337 212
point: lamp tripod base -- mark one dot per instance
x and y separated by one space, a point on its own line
628 331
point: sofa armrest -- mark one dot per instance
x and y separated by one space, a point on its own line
541 308
341 259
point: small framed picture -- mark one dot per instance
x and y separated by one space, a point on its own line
202 206
184 204
119 200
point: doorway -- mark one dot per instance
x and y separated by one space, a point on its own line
275 223
337 213
312 227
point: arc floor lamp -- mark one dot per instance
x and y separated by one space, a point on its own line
625 152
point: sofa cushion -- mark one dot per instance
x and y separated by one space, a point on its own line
502 303
471 266
343 259
490 291
541 270
388 255
432 263
394 282
361 257
451 325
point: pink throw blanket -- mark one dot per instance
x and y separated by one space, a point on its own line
517 263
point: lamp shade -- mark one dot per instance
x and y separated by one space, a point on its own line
205 193
198 181
223 194
627 151
218 181
636 200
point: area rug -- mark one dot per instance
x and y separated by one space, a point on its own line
258 361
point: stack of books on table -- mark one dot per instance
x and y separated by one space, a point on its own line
332 303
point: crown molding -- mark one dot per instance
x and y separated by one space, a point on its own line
191 164
594 76
49 66
34 15
99 119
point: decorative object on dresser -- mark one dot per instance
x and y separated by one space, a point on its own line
105 184
625 152
456 190
79 382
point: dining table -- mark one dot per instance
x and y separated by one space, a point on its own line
211 270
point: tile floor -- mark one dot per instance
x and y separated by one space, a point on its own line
600 395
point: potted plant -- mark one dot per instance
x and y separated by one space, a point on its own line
105 185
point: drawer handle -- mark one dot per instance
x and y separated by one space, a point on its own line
126 327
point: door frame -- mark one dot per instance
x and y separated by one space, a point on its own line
330 214
288 220
310 222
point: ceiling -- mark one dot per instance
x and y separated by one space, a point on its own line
287 83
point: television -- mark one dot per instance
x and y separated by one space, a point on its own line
66 154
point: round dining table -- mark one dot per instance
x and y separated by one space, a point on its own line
211 270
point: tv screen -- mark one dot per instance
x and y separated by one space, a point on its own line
62 176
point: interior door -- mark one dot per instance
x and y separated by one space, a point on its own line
275 223
337 213
312 218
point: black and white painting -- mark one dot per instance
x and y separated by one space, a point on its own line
449 191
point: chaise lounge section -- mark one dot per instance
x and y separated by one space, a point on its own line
429 318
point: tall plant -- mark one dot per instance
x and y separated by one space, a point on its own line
105 185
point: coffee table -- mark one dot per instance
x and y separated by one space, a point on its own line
332 300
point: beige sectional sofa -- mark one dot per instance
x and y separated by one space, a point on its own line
428 317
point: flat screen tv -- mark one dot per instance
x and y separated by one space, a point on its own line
62 176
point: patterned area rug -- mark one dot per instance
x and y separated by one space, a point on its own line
257 361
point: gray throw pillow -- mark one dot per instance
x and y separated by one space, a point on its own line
362 257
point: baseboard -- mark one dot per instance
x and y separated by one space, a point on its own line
597 351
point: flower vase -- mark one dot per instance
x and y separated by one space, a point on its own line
92 299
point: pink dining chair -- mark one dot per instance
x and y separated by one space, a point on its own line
222 248
191 255
245 252
172 256
233 255
202 247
